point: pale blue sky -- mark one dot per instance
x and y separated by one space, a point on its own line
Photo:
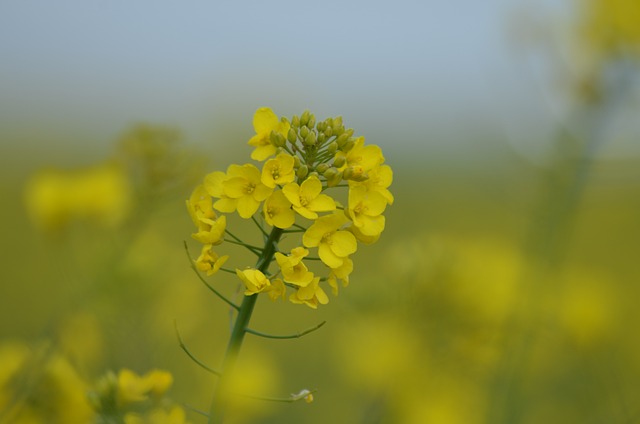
447 70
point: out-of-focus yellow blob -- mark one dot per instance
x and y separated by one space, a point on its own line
101 194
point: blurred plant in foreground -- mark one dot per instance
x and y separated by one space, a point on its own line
304 161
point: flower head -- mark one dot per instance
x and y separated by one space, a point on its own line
209 261
264 122
254 280
278 170
334 244
365 210
240 189
294 271
307 199
310 295
277 210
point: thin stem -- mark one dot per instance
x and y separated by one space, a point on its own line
216 292
264 233
293 398
253 249
290 336
189 354
239 330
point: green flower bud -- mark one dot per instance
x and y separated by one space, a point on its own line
337 123
277 139
321 138
312 121
330 173
295 121
348 145
310 139
334 180
333 147
292 136
296 161
322 167
349 132
314 173
321 126
342 139
328 131
302 171
304 118
304 132
339 160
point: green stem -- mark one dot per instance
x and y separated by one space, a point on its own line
216 413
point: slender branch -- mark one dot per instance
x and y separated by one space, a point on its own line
300 227
196 410
188 352
264 233
312 258
293 398
290 336
254 249
294 231
216 292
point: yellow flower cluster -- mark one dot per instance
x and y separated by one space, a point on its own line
303 161
131 398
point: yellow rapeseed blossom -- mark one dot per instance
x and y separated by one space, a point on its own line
277 210
305 162
310 295
254 280
265 121
240 189
294 271
209 261
307 198
278 171
365 210
334 244
133 388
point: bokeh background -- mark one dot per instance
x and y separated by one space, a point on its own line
503 290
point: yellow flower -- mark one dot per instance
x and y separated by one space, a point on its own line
360 160
265 121
365 209
334 245
278 171
133 388
239 189
294 271
307 198
341 273
311 295
254 280
276 290
200 205
101 194
380 178
209 261
277 210
362 237
175 415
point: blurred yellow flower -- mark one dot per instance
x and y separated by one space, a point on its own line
133 388
102 194
209 261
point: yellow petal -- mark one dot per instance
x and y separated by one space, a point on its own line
264 120
343 244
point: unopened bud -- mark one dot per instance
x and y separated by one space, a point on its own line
292 136
302 171
348 145
296 161
321 138
312 121
328 131
304 118
330 173
334 180
295 121
322 167
342 139
304 132
339 160
333 147
310 139
321 126
277 139
349 132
